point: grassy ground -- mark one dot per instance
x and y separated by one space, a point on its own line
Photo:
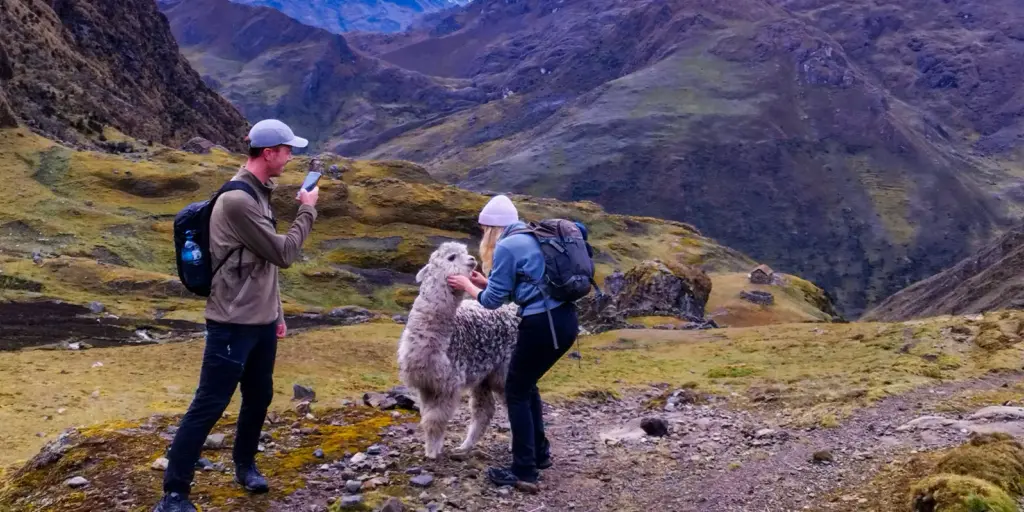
791 302
814 373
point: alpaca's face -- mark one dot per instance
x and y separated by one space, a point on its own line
450 259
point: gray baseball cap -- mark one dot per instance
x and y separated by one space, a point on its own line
271 132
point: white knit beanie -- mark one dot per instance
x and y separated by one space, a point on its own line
499 212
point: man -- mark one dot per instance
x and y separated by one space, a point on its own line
244 317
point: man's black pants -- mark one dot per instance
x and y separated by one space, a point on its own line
534 355
235 354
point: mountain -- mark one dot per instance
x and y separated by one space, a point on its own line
956 61
748 120
74 69
990 280
866 145
347 15
271 66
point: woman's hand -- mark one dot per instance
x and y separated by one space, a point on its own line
460 283
478 279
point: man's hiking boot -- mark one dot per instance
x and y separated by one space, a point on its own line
544 462
249 477
174 502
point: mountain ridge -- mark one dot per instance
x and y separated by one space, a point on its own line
68 72
988 280
340 16
272 66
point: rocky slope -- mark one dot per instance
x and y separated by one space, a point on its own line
346 15
270 65
953 60
69 71
988 280
849 142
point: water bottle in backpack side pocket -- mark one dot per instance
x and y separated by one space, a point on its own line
190 252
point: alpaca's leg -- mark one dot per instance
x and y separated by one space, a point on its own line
435 420
497 384
482 404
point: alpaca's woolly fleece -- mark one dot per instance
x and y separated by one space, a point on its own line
450 344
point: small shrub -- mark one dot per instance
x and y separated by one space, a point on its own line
995 458
731 372
829 421
957 493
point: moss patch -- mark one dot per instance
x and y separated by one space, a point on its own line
956 493
115 458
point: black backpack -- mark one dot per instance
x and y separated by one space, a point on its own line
195 218
568 265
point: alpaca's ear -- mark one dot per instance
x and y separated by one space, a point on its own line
422 274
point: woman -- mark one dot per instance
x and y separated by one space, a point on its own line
513 263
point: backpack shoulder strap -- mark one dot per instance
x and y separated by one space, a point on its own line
228 187
237 185
521 231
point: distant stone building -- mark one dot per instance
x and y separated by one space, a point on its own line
762 274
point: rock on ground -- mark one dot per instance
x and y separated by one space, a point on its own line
656 427
423 480
351 315
301 392
214 441
76 482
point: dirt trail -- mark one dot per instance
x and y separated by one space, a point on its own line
715 458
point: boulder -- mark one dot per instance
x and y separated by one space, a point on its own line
931 423
822 457
996 413
393 505
614 283
55 450
76 482
758 297
351 502
424 480
652 288
598 313
214 441
655 427
198 145
303 393
399 397
353 486
351 315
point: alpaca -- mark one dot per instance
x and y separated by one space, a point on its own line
450 345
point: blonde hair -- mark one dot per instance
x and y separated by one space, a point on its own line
487 244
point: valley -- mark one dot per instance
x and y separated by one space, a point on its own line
864 146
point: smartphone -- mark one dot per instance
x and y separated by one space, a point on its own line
311 180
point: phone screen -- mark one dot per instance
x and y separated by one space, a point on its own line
311 180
